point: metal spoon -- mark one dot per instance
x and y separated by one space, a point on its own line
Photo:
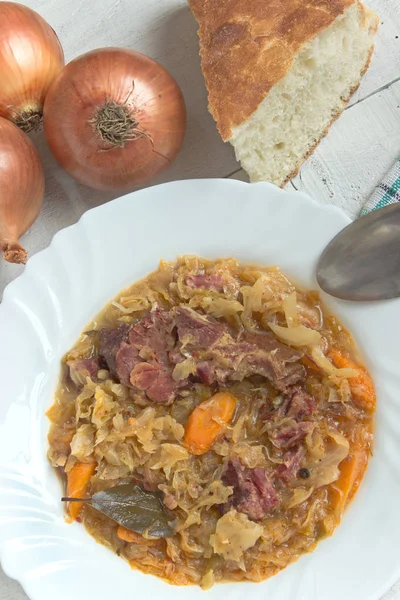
362 262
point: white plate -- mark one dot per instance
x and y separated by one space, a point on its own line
63 287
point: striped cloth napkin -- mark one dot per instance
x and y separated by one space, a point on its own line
387 192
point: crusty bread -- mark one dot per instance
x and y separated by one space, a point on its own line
279 72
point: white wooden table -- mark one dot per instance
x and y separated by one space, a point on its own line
345 168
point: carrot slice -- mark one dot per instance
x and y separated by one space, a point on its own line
77 485
352 470
361 386
129 536
208 420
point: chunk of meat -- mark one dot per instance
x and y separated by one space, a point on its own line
276 361
290 433
110 341
153 336
197 331
295 403
234 535
222 358
164 389
82 368
253 491
269 343
154 340
144 375
292 460
155 381
207 282
272 366
126 359
139 356
301 404
232 355
205 372
295 373
175 356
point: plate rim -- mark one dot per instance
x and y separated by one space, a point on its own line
88 214
35 261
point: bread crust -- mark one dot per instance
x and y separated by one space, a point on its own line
247 46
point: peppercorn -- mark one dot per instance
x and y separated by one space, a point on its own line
304 473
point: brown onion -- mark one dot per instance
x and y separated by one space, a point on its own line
30 58
114 118
21 189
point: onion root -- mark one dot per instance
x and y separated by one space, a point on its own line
15 253
28 120
116 125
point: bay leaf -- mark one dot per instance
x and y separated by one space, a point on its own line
132 507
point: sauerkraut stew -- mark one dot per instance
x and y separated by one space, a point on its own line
212 423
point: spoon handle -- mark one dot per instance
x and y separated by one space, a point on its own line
386 192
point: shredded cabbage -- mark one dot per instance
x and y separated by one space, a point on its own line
131 304
296 336
325 365
238 428
290 309
250 456
315 445
235 534
168 456
252 302
84 402
82 443
326 470
185 368
217 307
300 495
216 493
104 408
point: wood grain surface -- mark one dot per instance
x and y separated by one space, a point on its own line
355 155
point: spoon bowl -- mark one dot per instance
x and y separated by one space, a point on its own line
362 262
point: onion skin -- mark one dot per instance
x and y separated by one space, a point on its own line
129 79
21 189
31 57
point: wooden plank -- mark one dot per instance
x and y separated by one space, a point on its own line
393 594
354 157
240 175
10 589
385 65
